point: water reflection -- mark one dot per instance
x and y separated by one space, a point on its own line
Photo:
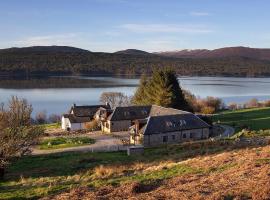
56 94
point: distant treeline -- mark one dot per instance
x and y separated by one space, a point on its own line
89 63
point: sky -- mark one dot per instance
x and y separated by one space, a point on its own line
150 25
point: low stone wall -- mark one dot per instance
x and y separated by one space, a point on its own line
135 150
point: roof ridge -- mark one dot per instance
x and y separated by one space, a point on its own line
170 108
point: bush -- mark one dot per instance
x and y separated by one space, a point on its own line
93 125
207 110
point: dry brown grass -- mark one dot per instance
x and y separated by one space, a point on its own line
239 174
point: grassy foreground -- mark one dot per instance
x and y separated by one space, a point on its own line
33 177
254 119
65 142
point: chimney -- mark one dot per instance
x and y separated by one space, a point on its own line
74 104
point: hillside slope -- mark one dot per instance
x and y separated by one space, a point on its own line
240 174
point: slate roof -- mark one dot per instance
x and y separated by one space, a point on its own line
87 111
130 113
141 112
158 111
74 119
171 123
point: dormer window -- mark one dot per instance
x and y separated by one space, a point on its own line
169 124
144 112
182 122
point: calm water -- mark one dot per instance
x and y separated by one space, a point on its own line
56 94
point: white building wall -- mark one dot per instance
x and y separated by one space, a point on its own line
65 123
76 126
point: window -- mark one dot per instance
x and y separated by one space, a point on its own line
173 137
184 135
165 139
169 124
191 135
182 122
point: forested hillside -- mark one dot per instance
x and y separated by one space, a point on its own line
69 60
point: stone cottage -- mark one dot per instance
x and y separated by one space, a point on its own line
168 129
121 118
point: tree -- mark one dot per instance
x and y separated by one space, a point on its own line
53 118
213 102
115 99
41 117
161 89
139 96
17 135
233 106
252 103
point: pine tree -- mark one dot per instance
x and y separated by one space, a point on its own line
161 89
139 96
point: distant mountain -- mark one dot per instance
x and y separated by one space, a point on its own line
245 52
132 52
45 49
63 60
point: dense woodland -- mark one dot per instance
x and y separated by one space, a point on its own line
22 62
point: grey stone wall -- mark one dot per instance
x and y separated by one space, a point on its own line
117 126
175 137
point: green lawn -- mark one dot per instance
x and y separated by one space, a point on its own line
254 119
51 126
64 142
38 176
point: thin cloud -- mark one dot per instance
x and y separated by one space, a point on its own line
165 28
199 14
45 40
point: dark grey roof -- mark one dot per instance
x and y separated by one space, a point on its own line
74 119
158 111
87 111
171 123
141 112
130 113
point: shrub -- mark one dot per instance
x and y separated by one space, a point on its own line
207 110
93 125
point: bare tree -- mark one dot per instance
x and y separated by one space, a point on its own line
53 118
233 106
252 103
17 135
41 117
115 99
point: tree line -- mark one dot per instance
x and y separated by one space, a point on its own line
62 63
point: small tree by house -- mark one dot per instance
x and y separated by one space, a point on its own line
115 99
41 117
17 135
53 118
92 125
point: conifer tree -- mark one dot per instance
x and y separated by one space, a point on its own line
161 89
139 97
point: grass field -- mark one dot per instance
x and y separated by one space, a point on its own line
254 119
65 142
51 126
38 176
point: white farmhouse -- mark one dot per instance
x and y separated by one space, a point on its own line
79 116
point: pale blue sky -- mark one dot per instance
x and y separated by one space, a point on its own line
151 25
